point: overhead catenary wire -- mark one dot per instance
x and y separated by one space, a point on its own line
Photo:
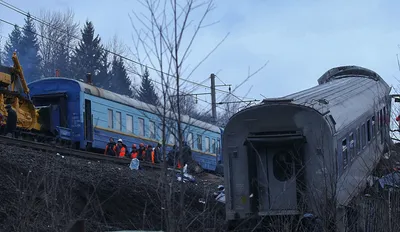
7 22
199 99
20 11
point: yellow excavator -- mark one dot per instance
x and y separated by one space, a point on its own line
14 91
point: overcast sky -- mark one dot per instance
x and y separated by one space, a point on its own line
301 39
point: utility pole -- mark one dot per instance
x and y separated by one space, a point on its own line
213 99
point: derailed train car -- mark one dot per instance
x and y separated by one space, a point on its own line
308 150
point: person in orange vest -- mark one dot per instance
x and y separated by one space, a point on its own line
141 152
153 156
120 149
134 152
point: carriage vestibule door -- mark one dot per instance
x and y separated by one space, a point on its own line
281 178
277 179
88 122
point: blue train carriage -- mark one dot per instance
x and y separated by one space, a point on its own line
93 115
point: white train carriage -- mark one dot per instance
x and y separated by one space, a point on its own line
302 152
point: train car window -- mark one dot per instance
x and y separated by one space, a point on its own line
199 142
344 153
351 146
152 130
373 126
363 135
118 121
377 116
110 119
218 146
358 140
190 139
141 127
283 166
384 117
129 123
213 146
368 130
207 144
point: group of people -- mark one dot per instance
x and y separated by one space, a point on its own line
149 153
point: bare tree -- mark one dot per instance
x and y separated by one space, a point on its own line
231 106
62 30
166 40
116 46
187 103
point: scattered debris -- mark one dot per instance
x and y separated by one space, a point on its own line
134 165
220 194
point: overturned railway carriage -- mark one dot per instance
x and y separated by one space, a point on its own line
87 116
300 153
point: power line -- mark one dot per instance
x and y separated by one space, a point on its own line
20 11
2 20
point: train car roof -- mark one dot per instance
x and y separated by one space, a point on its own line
344 92
102 93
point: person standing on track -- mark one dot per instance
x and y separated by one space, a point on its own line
110 148
157 153
134 152
149 154
141 152
11 123
120 149
171 156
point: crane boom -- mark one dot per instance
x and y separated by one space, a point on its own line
19 72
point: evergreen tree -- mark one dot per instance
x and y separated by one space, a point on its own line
29 53
13 44
119 78
147 92
88 55
61 60
102 79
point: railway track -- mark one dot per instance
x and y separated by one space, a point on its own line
52 148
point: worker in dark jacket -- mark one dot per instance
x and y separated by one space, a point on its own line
110 148
172 156
11 123
158 153
149 153
186 154
141 152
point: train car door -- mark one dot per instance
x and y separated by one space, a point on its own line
281 178
88 121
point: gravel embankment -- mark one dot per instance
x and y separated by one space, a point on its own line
48 192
